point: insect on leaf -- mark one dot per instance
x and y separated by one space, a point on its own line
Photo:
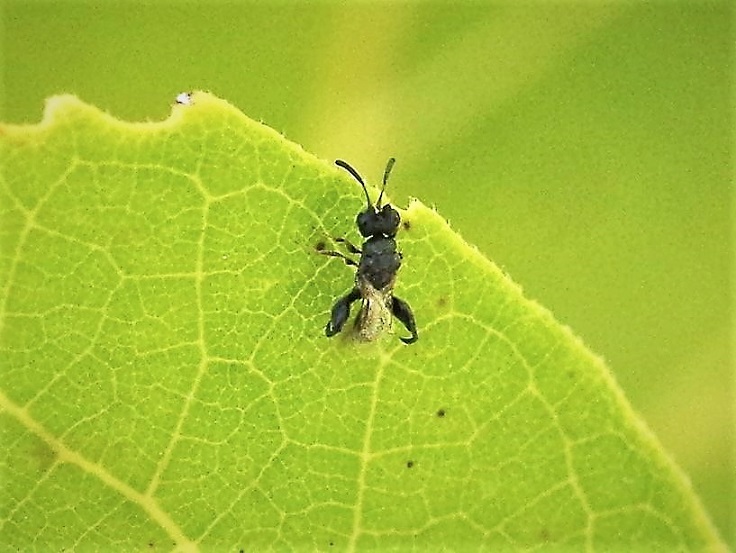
166 382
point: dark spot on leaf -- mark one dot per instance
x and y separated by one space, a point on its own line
407 225
150 544
332 543
441 413
319 246
442 301
544 534
43 455
409 464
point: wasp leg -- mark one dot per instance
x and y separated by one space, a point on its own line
402 311
348 245
341 312
341 255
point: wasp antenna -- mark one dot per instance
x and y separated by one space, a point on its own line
386 173
345 165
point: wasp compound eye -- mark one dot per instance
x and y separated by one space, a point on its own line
388 221
367 222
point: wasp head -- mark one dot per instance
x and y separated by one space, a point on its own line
375 220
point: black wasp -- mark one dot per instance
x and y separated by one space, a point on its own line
376 273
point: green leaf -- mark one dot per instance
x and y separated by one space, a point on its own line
166 381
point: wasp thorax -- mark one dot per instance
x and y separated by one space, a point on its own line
372 222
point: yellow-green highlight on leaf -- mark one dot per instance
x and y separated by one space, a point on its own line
166 382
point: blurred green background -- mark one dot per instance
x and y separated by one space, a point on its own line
585 147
